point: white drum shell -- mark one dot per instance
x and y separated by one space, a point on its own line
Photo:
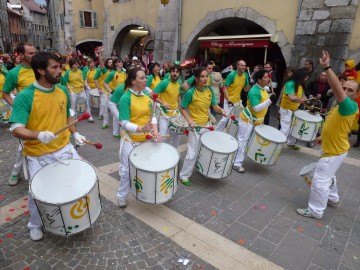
154 172
265 150
72 215
214 162
305 126
178 125
95 98
232 127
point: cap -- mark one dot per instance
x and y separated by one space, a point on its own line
135 58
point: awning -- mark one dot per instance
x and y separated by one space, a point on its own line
239 41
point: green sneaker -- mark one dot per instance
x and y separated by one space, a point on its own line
186 182
104 126
13 180
117 136
293 147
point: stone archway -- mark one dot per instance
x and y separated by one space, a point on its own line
121 30
188 48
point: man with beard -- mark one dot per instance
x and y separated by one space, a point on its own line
40 110
169 98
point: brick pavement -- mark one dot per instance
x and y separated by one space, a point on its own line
257 210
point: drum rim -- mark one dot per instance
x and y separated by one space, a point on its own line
267 138
61 203
311 121
97 94
201 143
162 170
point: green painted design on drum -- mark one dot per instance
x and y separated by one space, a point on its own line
303 129
199 167
138 184
260 157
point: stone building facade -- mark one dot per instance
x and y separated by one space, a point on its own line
5 38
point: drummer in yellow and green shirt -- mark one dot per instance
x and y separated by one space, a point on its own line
235 82
169 91
116 77
253 114
197 100
334 143
154 78
292 96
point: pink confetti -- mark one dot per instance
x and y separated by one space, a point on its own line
10 235
2 196
263 207
11 210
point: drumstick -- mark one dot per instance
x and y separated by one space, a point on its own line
209 128
155 96
84 116
149 137
272 89
233 117
97 145
248 70
186 132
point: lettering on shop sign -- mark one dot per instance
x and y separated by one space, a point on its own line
235 44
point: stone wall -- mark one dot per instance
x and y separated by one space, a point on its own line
324 24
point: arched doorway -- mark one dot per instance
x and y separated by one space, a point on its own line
87 47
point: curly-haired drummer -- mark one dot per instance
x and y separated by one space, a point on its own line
35 123
335 143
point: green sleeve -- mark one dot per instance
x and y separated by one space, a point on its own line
161 87
213 98
117 94
290 88
11 81
84 76
104 70
254 96
187 98
167 75
66 77
230 78
190 80
124 109
149 80
62 80
5 71
97 74
22 106
348 107
110 77
85 69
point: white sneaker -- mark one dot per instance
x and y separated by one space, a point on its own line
91 120
122 203
239 169
36 234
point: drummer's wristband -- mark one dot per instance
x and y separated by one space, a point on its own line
326 68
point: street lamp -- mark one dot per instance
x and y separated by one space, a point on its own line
164 2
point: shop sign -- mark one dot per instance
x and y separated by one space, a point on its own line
243 43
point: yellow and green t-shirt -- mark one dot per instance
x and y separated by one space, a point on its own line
2 81
19 77
169 92
117 94
191 80
256 96
286 103
115 78
103 75
75 79
92 75
198 103
152 81
42 110
235 84
337 127
136 109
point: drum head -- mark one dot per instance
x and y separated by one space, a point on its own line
219 142
179 121
270 133
304 115
154 157
236 110
58 183
308 168
95 92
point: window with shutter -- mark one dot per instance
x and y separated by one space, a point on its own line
94 19
81 16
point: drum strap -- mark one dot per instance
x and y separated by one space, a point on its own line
176 113
250 117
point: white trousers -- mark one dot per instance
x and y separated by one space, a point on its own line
18 166
74 96
244 133
35 164
104 111
323 186
164 130
191 154
285 122
124 170
223 121
115 113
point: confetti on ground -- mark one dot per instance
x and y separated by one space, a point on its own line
213 213
10 235
242 241
27 212
166 228
319 224
24 206
184 261
263 207
8 219
26 198
299 229
2 196
1 241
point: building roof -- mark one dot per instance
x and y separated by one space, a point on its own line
11 9
32 6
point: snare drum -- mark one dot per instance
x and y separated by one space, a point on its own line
232 127
80 105
178 125
265 145
305 126
307 172
67 196
95 98
216 154
154 172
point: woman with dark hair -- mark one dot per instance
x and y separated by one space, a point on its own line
154 78
293 95
196 101
136 120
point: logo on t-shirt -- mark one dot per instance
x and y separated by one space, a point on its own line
61 107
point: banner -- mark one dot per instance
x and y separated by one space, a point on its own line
241 43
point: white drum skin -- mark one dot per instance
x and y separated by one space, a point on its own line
305 126
265 145
232 127
67 196
178 125
307 173
154 172
216 154
95 98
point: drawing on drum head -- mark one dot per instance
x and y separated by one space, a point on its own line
138 184
166 183
80 208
